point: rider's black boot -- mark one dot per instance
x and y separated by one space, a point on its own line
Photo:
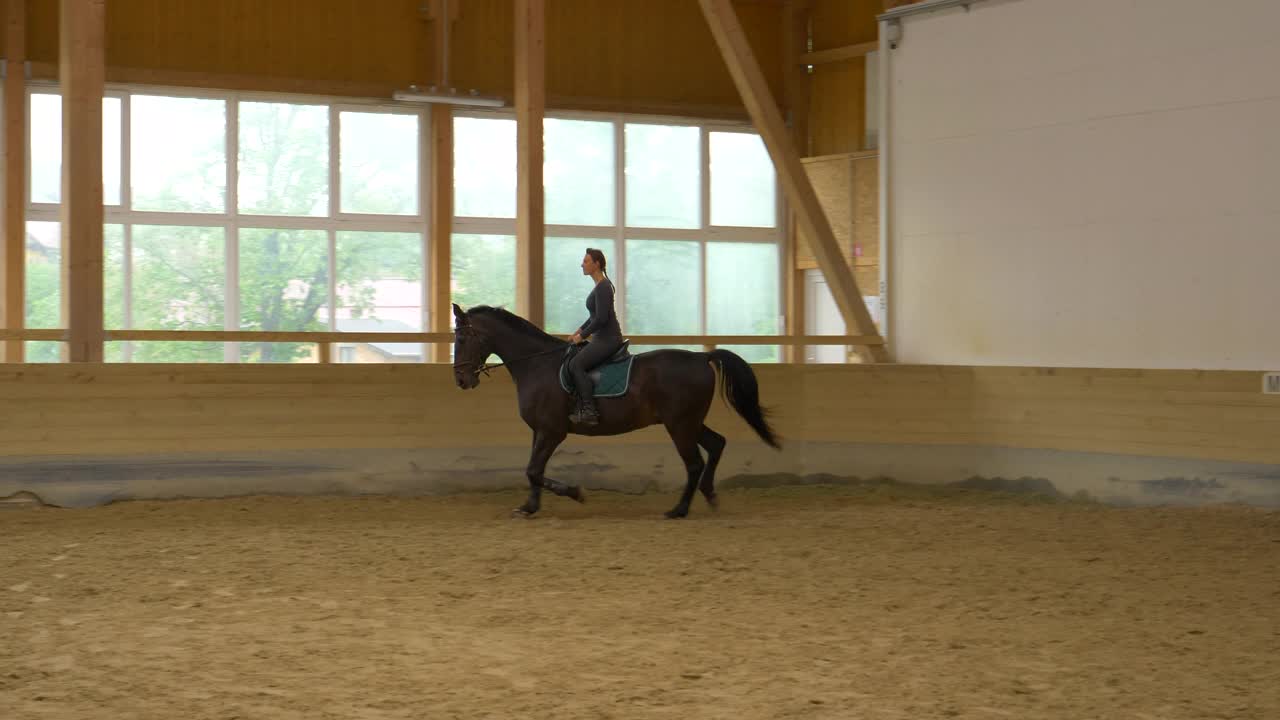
585 413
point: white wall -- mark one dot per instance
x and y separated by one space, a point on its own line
1087 183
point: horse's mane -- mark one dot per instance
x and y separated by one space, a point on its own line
511 321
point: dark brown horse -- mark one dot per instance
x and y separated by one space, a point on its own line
671 387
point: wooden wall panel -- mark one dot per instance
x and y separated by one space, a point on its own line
844 22
639 53
838 106
837 115
847 187
483 50
618 55
868 279
1219 415
866 209
380 43
91 434
832 179
42 31
122 409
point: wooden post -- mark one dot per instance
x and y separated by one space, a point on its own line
82 74
442 16
530 87
795 40
441 226
747 75
795 27
13 297
794 296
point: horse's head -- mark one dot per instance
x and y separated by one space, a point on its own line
470 348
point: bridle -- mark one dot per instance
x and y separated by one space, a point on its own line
483 368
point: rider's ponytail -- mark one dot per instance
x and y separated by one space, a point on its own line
598 256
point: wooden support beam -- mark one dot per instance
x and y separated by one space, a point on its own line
325 340
848 52
295 336
442 14
795 38
33 335
796 82
530 87
412 337
434 10
795 295
441 281
747 75
13 276
82 62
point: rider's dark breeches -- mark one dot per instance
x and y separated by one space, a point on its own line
596 352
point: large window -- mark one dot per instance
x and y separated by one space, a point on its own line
243 212
686 213
240 213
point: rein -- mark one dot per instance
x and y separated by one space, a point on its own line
483 368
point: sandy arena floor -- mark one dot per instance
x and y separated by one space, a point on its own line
790 603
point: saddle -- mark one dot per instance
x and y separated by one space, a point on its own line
610 378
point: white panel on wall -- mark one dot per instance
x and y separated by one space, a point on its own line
1086 183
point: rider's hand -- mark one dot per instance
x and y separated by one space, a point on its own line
577 338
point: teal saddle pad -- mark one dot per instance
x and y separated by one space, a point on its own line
610 379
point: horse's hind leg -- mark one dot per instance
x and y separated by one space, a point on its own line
713 442
686 440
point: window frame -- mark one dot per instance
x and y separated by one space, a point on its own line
620 232
230 219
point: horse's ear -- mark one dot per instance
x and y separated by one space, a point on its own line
459 317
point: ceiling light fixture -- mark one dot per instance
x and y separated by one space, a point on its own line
441 11
447 97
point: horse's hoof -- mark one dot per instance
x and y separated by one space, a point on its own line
675 514
521 514
713 502
578 494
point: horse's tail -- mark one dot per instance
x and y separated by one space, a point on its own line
741 392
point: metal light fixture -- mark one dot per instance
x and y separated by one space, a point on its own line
448 97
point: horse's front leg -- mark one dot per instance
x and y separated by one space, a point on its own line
573 492
544 444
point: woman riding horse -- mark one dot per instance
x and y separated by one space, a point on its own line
602 329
